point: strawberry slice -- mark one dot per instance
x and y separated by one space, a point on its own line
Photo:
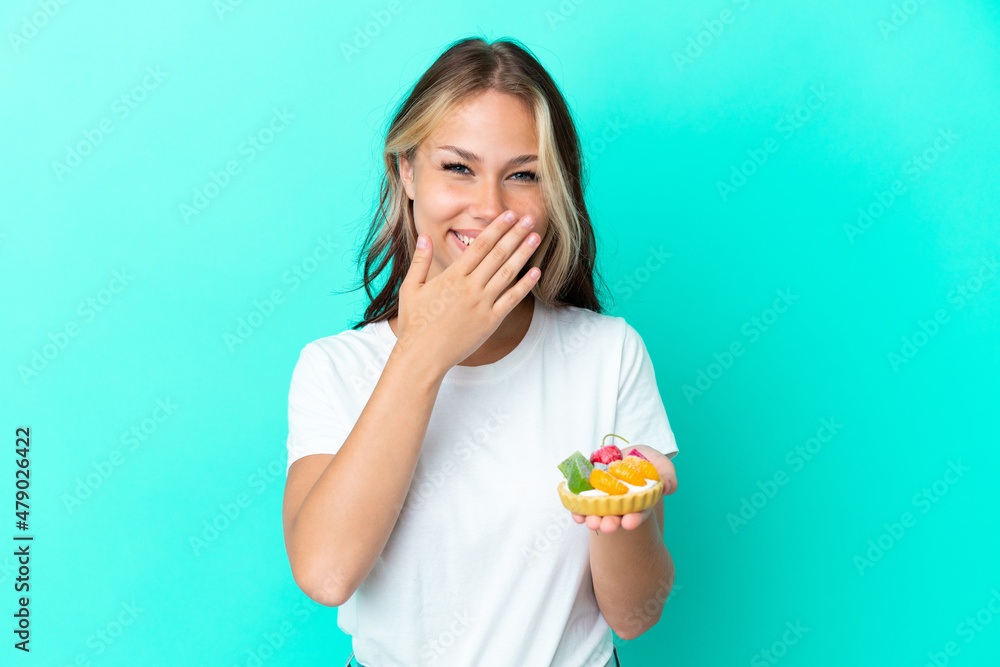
636 452
606 455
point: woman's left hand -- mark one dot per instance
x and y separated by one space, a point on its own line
632 520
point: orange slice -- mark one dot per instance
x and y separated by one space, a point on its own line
647 469
627 472
603 481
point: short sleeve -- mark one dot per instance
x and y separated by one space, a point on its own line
641 418
317 422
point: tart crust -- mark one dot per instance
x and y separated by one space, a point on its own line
610 505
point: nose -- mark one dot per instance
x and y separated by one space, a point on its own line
488 201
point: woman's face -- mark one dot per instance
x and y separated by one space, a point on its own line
479 162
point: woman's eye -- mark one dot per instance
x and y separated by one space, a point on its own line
448 167
456 167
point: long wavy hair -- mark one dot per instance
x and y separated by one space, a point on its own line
468 68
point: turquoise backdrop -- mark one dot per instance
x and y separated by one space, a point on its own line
796 206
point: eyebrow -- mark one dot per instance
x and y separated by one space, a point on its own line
472 157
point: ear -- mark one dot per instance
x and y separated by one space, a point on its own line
406 175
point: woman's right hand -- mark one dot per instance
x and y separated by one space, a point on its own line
446 319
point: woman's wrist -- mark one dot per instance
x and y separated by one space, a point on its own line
420 369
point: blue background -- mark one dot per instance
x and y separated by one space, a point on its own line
740 137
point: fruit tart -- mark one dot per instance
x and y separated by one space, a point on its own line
609 483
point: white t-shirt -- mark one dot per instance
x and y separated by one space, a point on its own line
484 565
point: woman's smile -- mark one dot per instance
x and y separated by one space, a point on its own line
454 236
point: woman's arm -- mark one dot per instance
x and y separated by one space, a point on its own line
632 569
339 510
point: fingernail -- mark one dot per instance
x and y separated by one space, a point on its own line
421 241
509 216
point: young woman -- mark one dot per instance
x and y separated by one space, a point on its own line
424 441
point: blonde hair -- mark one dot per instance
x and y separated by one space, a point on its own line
468 68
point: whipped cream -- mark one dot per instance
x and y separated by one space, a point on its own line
632 488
